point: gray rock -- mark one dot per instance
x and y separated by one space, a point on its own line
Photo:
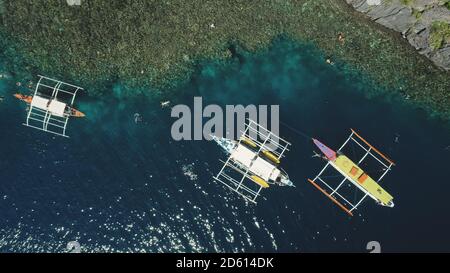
415 28
438 13
441 56
422 5
399 19
418 37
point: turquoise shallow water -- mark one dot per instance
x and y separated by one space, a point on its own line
120 186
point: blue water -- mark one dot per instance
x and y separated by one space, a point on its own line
120 186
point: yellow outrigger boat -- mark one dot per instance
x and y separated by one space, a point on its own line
353 173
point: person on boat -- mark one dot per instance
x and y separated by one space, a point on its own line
319 156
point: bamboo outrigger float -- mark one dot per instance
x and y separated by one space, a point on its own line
51 105
353 173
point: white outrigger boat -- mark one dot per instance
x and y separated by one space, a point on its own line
51 105
252 160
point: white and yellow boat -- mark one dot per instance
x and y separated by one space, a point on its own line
354 173
253 161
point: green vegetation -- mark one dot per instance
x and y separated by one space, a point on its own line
154 44
440 32
417 13
407 2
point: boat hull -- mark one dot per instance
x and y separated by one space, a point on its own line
71 111
363 181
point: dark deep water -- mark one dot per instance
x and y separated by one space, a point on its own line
120 186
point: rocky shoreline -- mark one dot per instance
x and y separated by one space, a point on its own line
424 23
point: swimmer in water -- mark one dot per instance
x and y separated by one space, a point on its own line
137 118
165 103
329 61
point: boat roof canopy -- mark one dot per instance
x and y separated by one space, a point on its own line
243 155
39 102
57 108
255 164
263 169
